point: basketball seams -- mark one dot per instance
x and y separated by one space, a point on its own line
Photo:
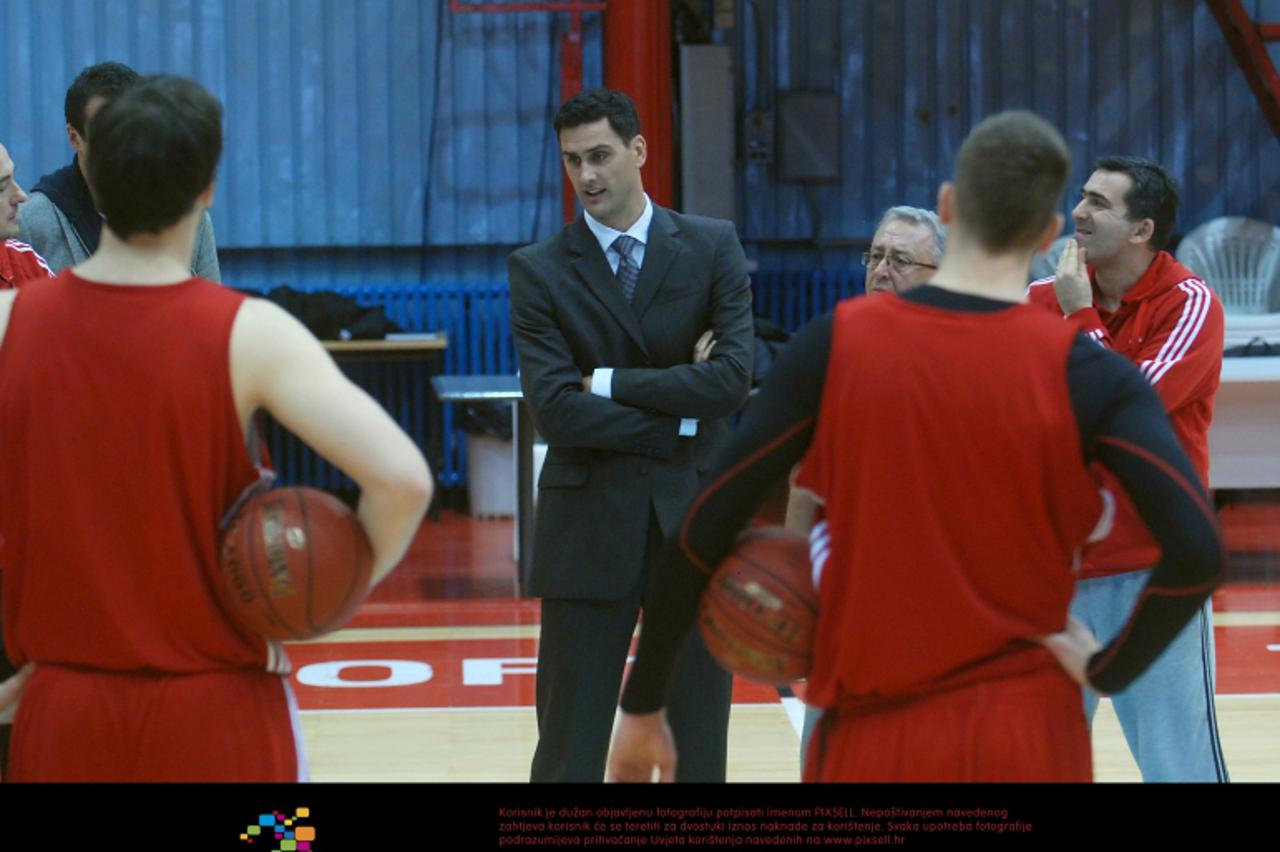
266 598
305 530
745 621
781 581
309 606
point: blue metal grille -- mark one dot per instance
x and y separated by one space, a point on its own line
790 299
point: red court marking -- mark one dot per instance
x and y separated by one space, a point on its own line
449 613
1244 664
446 688
1247 597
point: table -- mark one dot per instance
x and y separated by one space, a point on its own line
504 388
399 347
1244 438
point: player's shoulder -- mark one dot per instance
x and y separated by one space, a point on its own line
693 220
1190 303
691 224
22 262
27 254
553 247
1040 291
19 247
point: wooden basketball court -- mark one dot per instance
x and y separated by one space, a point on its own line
434 680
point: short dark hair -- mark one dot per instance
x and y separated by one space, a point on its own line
595 104
1154 194
1010 174
106 80
155 149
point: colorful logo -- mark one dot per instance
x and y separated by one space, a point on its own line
287 833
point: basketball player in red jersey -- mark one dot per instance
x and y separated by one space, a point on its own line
130 387
949 433
18 262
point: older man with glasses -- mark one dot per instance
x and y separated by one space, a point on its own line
905 251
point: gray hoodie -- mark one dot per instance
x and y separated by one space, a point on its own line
52 235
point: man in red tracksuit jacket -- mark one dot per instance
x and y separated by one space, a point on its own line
1118 286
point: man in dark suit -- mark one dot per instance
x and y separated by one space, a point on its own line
634 330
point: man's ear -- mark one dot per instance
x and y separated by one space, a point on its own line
73 137
946 202
641 148
1143 231
206 198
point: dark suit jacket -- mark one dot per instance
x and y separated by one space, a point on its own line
609 460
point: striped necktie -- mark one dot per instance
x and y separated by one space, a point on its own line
628 271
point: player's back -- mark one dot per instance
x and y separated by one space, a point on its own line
950 463
123 450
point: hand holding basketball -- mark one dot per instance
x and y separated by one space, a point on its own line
295 563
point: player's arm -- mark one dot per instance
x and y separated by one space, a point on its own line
718 386
1123 425
774 433
11 691
278 365
565 413
1182 356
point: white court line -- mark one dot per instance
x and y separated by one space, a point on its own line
794 707
795 712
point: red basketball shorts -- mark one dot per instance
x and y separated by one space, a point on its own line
91 725
1026 727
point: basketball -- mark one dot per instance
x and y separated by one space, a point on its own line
295 564
758 613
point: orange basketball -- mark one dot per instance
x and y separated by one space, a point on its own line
295 564
758 613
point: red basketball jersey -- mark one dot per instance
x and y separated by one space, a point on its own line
122 451
955 492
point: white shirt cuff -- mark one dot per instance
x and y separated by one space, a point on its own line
602 382
688 426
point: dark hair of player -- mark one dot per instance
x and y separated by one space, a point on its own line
1154 194
155 149
106 80
1009 178
594 104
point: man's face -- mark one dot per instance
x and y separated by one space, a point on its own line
605 172
897 252
1102 221
11 195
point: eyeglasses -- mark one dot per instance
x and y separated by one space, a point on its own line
898 262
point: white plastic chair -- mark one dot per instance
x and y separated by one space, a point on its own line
1239 258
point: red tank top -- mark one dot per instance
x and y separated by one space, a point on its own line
949 459
122 451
